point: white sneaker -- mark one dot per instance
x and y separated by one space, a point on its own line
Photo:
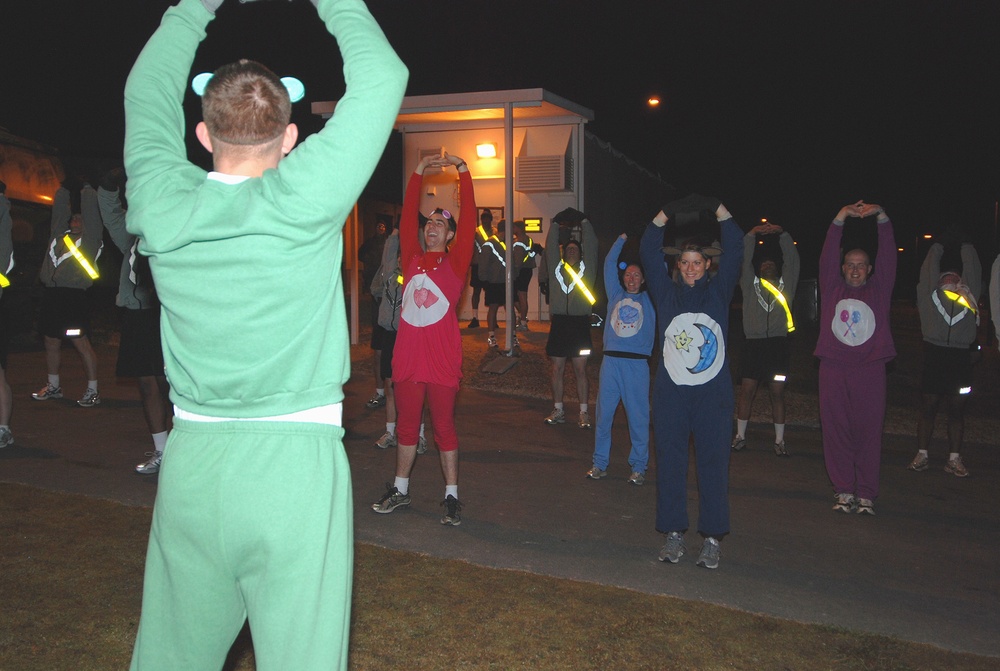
6 437
90 399
386 441
47 392
421 445
151 465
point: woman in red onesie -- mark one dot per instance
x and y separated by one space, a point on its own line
427 359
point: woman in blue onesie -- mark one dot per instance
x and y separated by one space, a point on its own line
628 342
693 391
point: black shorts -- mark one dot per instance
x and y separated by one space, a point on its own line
140 353
388 344
65 313
523 279
763 358
568 336
495 293
379 337
947 370
474 280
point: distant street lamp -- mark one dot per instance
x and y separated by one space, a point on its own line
653 101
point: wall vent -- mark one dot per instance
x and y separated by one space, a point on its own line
543 173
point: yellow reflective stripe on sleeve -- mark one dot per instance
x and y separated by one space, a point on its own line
4 282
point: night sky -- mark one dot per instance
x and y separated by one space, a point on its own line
783 110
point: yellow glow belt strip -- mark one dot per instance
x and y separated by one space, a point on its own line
4 282
80 258
781 299
960 299
579 281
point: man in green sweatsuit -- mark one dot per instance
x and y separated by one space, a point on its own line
253 517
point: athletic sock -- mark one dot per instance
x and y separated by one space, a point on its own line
160 440
779 433
92 384
451 490
54 381
402 485
741 427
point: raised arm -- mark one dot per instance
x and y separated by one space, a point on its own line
884 276
154 118
651 253
409 225
462 246
790 265
972 270
590 256
113 215
6 243
93 227
732 257
749 242
829 257
611 283
553 254
995 297
930 269
60 214
344 154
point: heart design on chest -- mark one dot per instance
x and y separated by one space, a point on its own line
424 298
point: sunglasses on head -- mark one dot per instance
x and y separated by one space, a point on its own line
442 211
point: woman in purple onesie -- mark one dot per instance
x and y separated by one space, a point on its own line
854 345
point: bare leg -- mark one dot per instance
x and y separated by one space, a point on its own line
748 387
405 456
777 402
449 467
82 345
925 420
491 316
580 369
558 369
390 402
52 354
154 392
6 402
377 365
956 422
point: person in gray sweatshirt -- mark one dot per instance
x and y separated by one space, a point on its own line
951 281
768 285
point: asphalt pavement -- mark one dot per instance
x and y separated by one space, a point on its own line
924 569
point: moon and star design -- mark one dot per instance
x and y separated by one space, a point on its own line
853 322
626 317
694 349
423 301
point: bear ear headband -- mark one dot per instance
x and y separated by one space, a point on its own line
296 89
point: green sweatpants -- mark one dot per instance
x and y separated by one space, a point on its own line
253 520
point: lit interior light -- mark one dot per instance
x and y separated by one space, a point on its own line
653 101
72 333
965 390
486 150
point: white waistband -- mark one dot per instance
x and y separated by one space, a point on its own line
325 414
